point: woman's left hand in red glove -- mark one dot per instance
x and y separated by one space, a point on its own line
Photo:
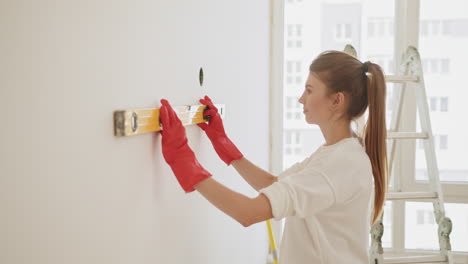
176 151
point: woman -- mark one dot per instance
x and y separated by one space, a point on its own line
327 198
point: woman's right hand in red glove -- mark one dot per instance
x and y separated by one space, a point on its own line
226 150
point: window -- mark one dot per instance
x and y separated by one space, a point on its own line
385 61
378 27
421 228
437 103
442 45
371 29
424 28
289 66
445 65
444 75
436 65
433 103
420 144
430 28
299 80
293 142
343 32
293 108
440 142
388 225
294 73
294 33
420 217
444 104
443 144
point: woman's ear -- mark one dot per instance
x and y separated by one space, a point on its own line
339 104
338 100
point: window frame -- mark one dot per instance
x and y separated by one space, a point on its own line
406 32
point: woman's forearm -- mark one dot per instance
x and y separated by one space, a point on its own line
255 176
245 210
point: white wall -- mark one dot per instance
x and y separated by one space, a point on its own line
71 192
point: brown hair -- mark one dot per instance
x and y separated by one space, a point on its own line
364 85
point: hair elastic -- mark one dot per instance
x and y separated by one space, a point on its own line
365 66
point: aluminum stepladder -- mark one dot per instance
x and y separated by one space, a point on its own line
410 75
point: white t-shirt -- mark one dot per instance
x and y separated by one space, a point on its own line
327 202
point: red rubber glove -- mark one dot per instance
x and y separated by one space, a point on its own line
177 152
226 150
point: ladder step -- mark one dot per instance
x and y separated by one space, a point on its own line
411 195
416 259
401 78
407 135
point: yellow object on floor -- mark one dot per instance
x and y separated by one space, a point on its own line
272 242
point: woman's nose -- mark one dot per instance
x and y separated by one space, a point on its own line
300 100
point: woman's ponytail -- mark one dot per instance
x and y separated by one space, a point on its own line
375 134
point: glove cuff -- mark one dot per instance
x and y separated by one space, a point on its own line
189 172
227 151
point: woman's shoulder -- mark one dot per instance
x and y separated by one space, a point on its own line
346 160
343 150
